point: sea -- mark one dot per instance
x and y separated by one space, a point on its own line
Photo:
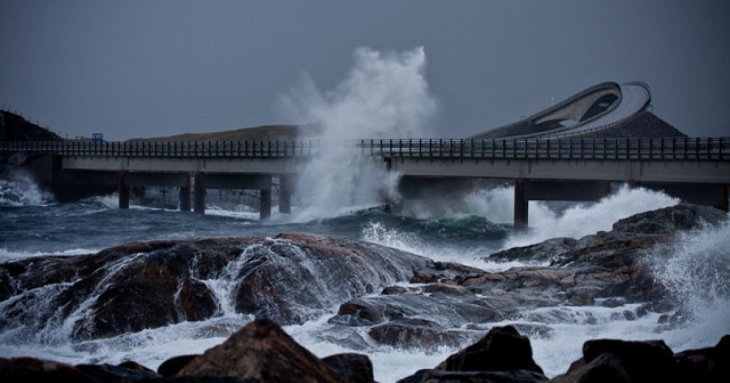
465 231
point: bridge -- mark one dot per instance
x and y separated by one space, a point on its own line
694 169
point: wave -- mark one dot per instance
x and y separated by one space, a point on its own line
20 190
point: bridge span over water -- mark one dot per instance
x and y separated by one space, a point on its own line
694 169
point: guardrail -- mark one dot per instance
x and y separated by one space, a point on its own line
681 149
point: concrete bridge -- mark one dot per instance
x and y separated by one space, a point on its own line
694 169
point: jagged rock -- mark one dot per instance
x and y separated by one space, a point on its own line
353 368
172 366
390 290
262 350
640 361
437 376
502 349
200 379
24 370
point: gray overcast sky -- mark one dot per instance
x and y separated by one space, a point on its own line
149 68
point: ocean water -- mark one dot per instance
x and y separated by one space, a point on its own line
32 224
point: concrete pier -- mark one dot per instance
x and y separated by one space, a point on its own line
199 194
265 210
186 195
521 206
285 191
123 190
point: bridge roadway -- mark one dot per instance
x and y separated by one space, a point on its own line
696 169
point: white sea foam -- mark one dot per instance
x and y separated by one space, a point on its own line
14 255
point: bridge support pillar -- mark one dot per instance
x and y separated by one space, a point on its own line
285 192
199 192
123 190
521 206
185 195
265 203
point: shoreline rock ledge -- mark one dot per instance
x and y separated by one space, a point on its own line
262 352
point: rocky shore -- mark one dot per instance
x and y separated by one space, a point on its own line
382 296
262 352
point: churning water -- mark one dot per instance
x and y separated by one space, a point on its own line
695 269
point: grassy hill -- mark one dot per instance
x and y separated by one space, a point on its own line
265 132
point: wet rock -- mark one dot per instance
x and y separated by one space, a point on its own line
200 379
671 219
437 376
172 366
546 251
444 271
123 373
392 290
502 349
415 333
606 368
711 365
128 288
24 370
262 350
353 368
642 361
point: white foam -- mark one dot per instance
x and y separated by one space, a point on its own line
20 190
12 255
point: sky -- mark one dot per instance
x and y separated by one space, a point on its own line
153 68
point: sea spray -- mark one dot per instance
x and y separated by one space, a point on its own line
18 189
385 95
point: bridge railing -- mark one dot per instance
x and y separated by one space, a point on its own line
680 148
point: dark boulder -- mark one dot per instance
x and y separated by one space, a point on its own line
353 368
172 366
262 350
124 373
24 370
438 376
606 368
502 349
711 365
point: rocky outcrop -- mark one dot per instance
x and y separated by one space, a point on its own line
290 278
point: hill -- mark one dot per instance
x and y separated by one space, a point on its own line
265 132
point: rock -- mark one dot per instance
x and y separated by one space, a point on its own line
124 373
172 366
415 333
390 290
262 350
291 278
24 370
353 368
711 365
437 376
546 251
502 349
200 379
671 219
642 361
606 368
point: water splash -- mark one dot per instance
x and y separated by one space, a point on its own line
384 95
19 189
